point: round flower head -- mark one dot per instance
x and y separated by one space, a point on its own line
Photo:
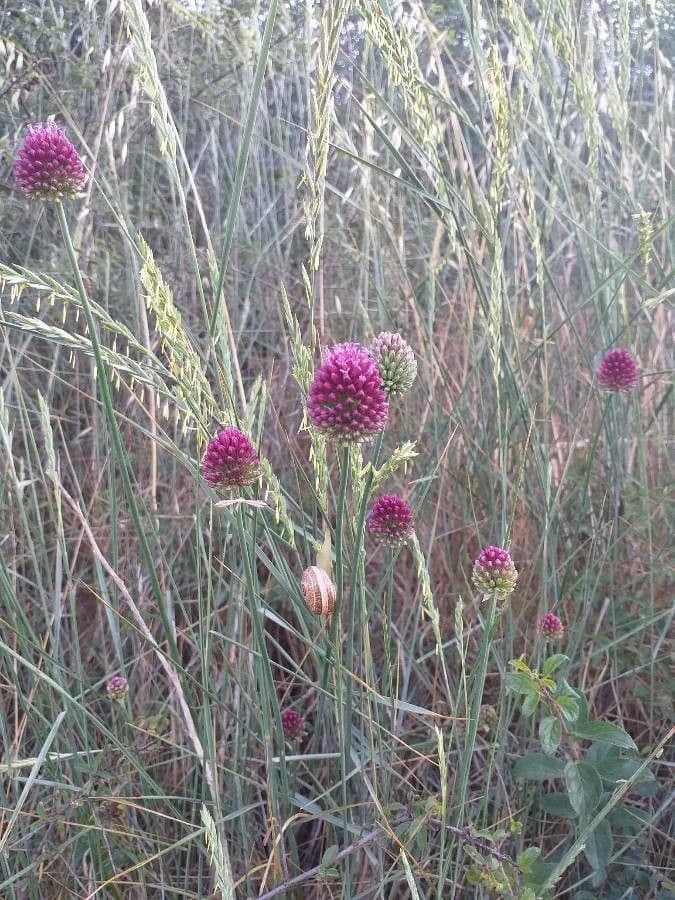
230 460
47 166
347 401
494 572
398 366
551 627
618 371
117 688
293 724
390 520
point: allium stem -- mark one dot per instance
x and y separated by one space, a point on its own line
344 705
118 447
271 715
462 783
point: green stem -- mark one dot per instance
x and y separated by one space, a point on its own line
271 716
345 713
462 783
389 665
118 447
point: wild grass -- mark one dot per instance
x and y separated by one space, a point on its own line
494 182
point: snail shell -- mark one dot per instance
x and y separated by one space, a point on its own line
319 591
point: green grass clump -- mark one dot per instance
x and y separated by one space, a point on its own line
265 180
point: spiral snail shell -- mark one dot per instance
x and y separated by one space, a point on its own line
319 591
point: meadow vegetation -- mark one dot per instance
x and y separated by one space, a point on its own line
420 650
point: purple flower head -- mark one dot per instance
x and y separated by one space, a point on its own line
618 371
230 460
390 520
47 166
398 366
347 401
494 572
551 627
293 724
117 688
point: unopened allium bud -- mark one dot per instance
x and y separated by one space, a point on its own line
618 371
117 688
230 460
494 572
551 627
347 401
293 724
395 357
47 166
390 520
318 591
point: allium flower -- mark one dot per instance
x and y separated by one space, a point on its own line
551 627
390 520
293 724
618 371
347 401
398 366
494 572
117 688
47 166
230 460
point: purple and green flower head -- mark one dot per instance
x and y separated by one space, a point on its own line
618 371
395 357
494 572
347 401
390 521
230 460
47 166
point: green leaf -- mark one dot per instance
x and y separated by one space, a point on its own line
520 684
558 804
329 856
604 732
554 662
538 767
526 859
613 769
598 847
530 704
527 893
550 733
569 707
584 787
566 689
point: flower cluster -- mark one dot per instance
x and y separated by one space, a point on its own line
390 521
117 688
618 371
293 724
551 627
494 572
47 166
230 460
396 360
347 401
